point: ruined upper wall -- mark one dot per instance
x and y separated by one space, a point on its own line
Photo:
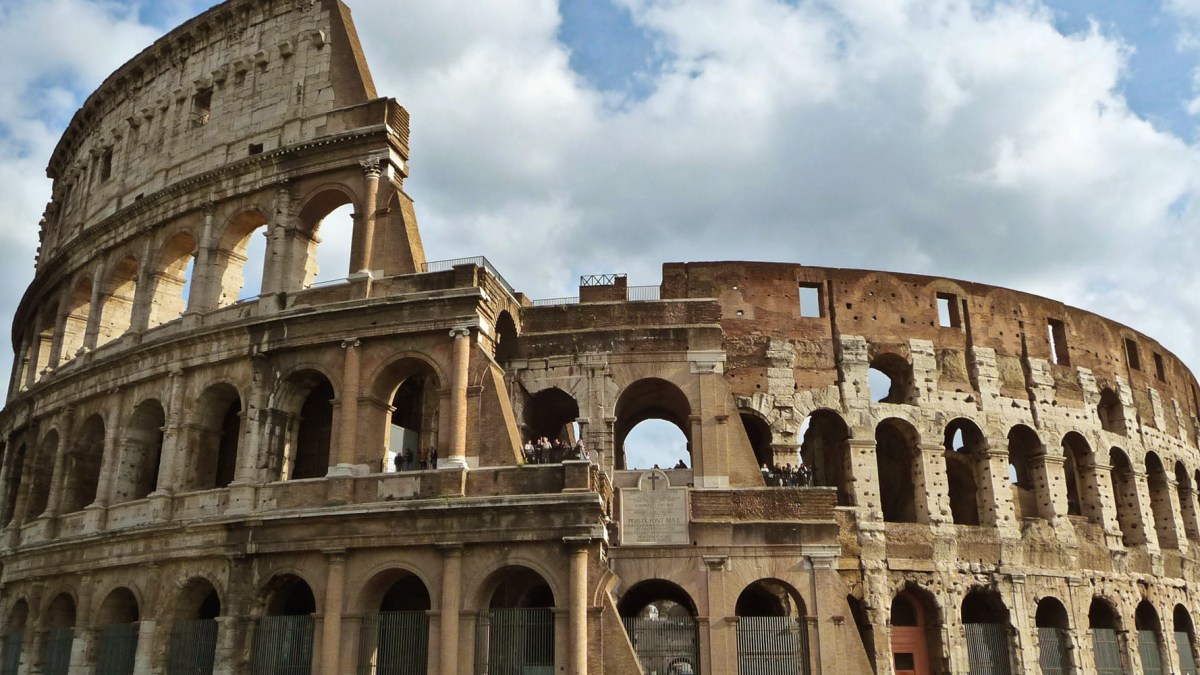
245 77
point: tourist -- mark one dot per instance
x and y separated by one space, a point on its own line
680 464
528 449
433 456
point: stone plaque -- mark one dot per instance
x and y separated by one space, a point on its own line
654 512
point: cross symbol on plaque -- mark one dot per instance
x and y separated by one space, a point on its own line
654 478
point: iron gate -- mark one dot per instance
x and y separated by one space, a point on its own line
193 647
665 646
987 649
515 642
116 649
1187 658
1107 651
58 650
772 645
11 660
394 643
283 645
1148 649
1052 651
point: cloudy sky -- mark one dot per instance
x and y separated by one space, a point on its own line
1049 146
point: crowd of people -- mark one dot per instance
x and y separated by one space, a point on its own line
545 451
407 460
787 475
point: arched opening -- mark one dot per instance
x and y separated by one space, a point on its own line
825 449
1027 473
506 338
83 466
759 433
1125 498
656 443
890 379
1149 633
515 634
79 306
323 239
1160 502
395 636
1053 626
896 456
986 625
1104 624
1083 485
15 479
193 644
1187 502
651 399
41 475
117 642
660 620
335 233
309 400
60 618
411 387
966 470
1111 412
283 641
215 436
772 629
116 309
45 340
239 260
14 634
172 279
1185 640
915 642
141 453
549 417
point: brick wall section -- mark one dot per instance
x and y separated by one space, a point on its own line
808 504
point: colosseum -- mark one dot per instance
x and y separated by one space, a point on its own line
207 474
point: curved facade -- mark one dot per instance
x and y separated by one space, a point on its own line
204 473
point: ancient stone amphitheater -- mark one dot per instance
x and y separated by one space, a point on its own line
200 477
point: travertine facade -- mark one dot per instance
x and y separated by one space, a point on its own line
201 479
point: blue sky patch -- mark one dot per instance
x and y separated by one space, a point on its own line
610 51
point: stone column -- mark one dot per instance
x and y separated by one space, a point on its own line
1001 486
91 333
1145 513
457 450
331 625
171 462
577 609
146 645
934 484
31 369
864 479
278 261
60 332
65 440
225 656
347 450
364 230
451 604
203 294
143 293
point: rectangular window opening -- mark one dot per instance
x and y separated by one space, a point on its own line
1059 354
201 107
810 301
1131 354
256 148
1160 369
948 314
106 165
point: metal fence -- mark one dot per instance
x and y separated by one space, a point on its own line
1052 651
515 642
444 265
10 660
193 647
394 643
987 649
642 293
1148 649
1187 658
772 645
554 302
665 646
58 651
283 645
1107 651
116 649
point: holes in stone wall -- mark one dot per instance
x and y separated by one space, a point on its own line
890 379
1057 332
1160 370
810 300
949 315
201 107
1111 412
1131 354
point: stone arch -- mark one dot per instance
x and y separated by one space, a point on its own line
235 255
117 641
1185 638
60 619
314 209
899 372
770 597
15 481
1149 639
771 616
395 638
214 436
305 402
650 398
117 300
284 637
1053 628
507 338
1125 498
41 474
1111 412
78 309
985 620
1028 474
172 276
287 594
758 431
967 473
1082 481
83 464
140 452
409 387
1187 502
1160 501
550 412
1104 622
915 630
825 448
193 636
897 456
119 606
198 599
518 620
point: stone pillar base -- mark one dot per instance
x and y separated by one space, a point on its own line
242 498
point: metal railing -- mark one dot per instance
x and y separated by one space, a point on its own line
1148 649
554 302
283 645
1187 659
599 279
772 645
670 646
10 660
1106 650
394 643
444 265
58 651
643 293
1052 651
515 642
193 647
117 648
987 648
